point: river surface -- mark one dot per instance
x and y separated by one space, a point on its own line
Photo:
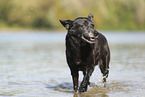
33 64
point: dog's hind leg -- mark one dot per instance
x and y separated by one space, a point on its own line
104 66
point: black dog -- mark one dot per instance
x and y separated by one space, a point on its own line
85 48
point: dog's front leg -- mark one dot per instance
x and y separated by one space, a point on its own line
75 76
85 82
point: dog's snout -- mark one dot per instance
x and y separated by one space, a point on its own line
91 34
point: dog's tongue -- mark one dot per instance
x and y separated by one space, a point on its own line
92 39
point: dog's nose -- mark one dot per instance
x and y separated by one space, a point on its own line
91 34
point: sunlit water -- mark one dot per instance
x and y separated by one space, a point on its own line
33 65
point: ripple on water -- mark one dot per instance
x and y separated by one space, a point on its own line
94 90
62 87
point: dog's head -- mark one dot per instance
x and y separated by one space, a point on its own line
81 27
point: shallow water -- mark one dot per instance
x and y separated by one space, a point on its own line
33 65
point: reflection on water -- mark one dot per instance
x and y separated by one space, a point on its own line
34 65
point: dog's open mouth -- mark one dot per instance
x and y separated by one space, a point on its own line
89 39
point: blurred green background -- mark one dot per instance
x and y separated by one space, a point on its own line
45 14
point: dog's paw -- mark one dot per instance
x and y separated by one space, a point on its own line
105 84
82 90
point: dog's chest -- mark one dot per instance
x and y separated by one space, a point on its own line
85 52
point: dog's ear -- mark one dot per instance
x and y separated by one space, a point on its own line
66 23
90 16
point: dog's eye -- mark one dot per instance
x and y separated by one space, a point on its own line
92 25
85 23
81 27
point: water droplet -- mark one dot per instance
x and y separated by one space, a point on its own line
32 9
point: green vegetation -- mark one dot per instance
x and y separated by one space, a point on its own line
45 14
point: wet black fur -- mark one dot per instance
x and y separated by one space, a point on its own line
84 51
